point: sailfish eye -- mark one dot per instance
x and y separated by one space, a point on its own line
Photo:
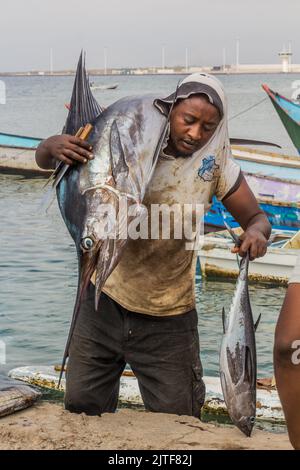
252 419
87 243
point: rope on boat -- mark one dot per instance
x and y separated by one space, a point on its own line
230 119
248 109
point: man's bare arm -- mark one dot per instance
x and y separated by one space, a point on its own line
66 148
244 208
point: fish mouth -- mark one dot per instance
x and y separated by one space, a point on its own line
246 425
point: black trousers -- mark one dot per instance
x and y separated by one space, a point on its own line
163 353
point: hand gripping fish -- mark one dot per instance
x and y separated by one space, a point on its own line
127 138
238 354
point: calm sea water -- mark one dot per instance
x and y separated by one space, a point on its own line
38 269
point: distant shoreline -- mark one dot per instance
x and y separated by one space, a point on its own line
241 69
95 74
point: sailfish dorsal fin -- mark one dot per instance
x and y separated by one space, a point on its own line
84 108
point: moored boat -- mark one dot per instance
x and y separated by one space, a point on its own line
17 155
268 404
273 164
289 113
112 86
275 267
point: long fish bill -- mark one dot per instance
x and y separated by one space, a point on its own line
88 262
106 261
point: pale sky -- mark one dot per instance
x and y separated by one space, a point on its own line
134 31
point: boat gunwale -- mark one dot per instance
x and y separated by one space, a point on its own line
17 147
265 153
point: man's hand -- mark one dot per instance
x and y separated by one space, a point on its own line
243 206
66 148
254 241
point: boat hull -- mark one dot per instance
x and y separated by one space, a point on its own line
20 161
281 215
217 260
289 113
268 404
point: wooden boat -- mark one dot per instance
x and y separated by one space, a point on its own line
282 215
289 113
260 162
17 155
272 188
274 178
113 86
268 404
275 267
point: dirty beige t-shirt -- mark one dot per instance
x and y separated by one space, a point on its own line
157 276
295 277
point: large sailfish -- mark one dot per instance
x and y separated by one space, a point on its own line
127 138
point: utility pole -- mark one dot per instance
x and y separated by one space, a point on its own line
163 53
51 61
224 59
186 60
105 60
290 55
237 54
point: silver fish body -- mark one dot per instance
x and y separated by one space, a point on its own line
98 200
238 356
125 139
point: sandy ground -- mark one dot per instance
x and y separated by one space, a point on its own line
49 426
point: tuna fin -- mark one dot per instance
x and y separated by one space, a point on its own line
248 369
223 383
117 155
257 322
224 320
84 108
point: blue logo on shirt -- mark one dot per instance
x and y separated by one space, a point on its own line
208 167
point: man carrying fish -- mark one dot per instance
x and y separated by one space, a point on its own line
146 316
287 356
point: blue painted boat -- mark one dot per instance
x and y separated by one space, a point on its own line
19 141
281 215
274 165
274 179
289 113
17 155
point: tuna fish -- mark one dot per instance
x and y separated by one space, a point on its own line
127 138
238 354
15 396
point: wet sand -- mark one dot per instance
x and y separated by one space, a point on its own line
48 426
